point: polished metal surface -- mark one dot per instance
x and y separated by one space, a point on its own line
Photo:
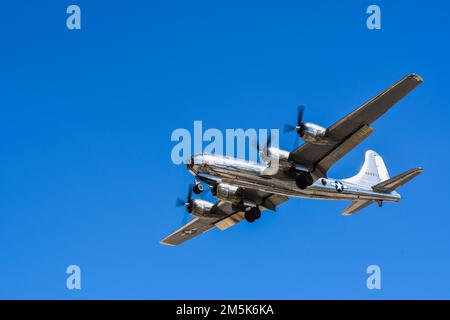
314 133
242 186
244 174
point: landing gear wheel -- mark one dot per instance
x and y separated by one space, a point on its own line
300 184
252 214
249 216
198 188
304 180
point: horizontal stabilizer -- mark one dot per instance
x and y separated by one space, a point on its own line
397 181
355 206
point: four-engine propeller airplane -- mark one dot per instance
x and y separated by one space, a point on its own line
245 188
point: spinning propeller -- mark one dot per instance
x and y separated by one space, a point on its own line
266 147
300 127
186 203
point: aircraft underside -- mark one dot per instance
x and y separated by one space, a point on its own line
244 189
324 188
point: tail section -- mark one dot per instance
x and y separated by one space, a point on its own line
373 171
375 175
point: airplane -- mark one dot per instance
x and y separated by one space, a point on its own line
244 189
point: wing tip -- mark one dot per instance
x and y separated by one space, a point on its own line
416 77
167 243
418 170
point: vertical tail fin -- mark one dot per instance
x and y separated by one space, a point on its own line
372 172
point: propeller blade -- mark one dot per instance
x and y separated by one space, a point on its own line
288 128
269 141
299 128
266 147
189 195
180 202
296 142
187 204
255 144
185 218
300 111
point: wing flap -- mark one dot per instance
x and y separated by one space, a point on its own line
269 202
230 221
325 164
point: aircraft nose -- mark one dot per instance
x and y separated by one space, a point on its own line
190 163
195 163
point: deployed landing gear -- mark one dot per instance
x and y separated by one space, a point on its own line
198 188
252 214
304 180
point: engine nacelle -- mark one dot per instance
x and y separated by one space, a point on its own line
275 154
228 192
313 133
203 209
276 159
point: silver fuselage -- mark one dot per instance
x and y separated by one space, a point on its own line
247 174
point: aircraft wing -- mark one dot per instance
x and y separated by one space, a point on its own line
351 130
197 226
190 230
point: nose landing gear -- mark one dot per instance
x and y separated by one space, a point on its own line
198 188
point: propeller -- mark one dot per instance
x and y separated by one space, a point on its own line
265 148
185 203
300 127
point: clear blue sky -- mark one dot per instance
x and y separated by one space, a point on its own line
86 117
